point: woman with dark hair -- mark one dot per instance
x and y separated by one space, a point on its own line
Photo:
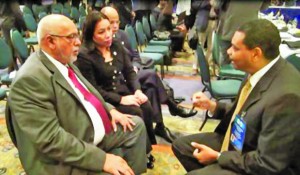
104 62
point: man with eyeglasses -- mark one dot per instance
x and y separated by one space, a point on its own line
59 122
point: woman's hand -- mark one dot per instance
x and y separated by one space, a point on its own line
130 100
142 98
124 119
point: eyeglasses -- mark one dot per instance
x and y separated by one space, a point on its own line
72 37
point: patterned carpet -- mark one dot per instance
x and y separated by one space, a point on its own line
180 77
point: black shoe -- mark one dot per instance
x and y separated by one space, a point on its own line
150 162
182 111
179 99
165 133
151 158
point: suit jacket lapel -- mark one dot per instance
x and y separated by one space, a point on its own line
263 84
88 85
57 76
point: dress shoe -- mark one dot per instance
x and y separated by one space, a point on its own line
151 158
182 111
150 162
165 133
179 99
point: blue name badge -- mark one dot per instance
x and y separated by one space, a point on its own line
238 133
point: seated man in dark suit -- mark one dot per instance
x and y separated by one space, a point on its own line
259 133
151 84
59 122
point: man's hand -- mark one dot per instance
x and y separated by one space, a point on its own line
124 119
204 154
116 165
27 34
136 69
201 101
130 100
142 98
182 28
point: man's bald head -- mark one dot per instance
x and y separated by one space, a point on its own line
53 24
58 37
113 16
109 12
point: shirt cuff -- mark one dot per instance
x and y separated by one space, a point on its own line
219 154
210 114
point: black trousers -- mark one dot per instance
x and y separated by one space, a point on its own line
154 90
184 152
145 112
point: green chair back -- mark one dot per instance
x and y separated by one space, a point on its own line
146 27
82 10
19 45
216 49
66 12
36 10
6 56
42 14
131 35
153 22
75 14
219 89
204 68
81 22
57 8
30 22
141 37
67 6
294 60
26 10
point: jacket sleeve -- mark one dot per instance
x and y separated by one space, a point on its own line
87 69
34 111
129 73
277 142
133 54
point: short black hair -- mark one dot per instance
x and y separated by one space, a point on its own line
263 34
89 27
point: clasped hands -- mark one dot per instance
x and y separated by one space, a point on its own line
125 119
136 99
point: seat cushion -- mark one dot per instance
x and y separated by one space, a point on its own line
160 42
32 40
157 49
5 79
2 93
157 57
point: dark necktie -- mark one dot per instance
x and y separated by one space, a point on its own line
92 99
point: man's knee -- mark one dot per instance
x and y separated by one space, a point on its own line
139 124
178 145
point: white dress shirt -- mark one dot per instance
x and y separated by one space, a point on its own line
91 110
